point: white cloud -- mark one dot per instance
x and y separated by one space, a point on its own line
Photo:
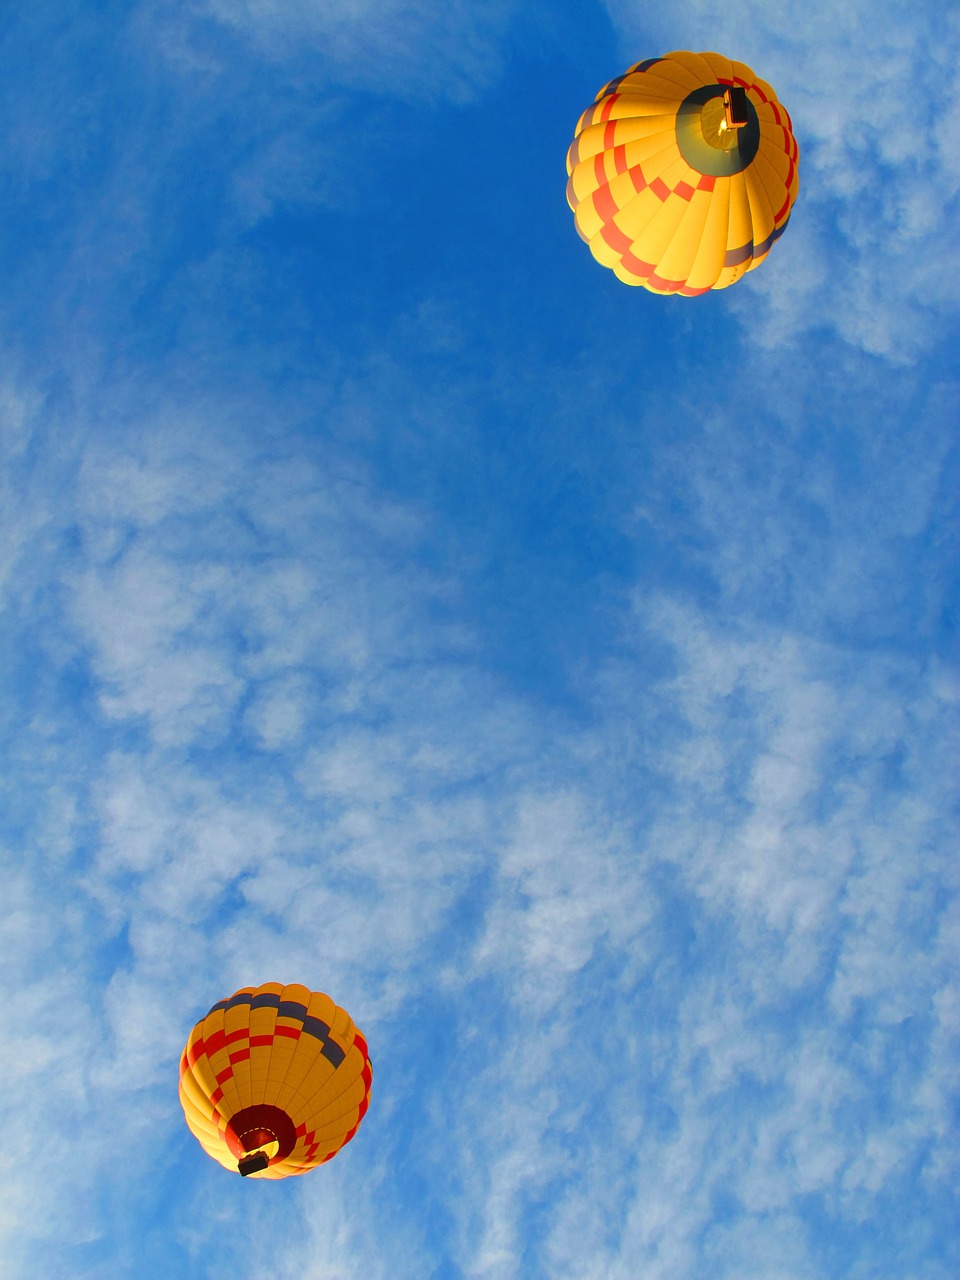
423 50
872 90
803 910
688 963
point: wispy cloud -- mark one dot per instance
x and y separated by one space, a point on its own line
424 49
874 97
570 694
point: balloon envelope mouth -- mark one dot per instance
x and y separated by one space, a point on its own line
261 1130
708 141
260 1139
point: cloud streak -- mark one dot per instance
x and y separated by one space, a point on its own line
870 249
587 730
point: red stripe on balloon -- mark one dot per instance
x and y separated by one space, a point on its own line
614 237
604 203
635 265
668 286
608 106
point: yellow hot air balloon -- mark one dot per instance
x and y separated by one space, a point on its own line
274 1080
683 173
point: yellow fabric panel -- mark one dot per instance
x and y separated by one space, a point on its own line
655 155
653 133
344 1104
742 72
658 156
761 212
673 171
298 1067
341 1024
309 1098
721 68
203 1073
648 96
296 992
262 1021
223 1156
593 140
739 227
635 218
677 259
604 253
322 1007
695 64
621 272
712 250
338 1117
196 1094
342 1079
650 153
231 1102
260 1066
329 1141
772 166
654 101
730 275
306 1072
205 1122
281 1056
588 218
212 1023
618 192
672 70
238 1019
771 148
660 231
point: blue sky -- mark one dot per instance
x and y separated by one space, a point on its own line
562 677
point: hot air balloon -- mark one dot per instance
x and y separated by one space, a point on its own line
274 1080
683 173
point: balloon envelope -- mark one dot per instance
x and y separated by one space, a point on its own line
683 173
274 1080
